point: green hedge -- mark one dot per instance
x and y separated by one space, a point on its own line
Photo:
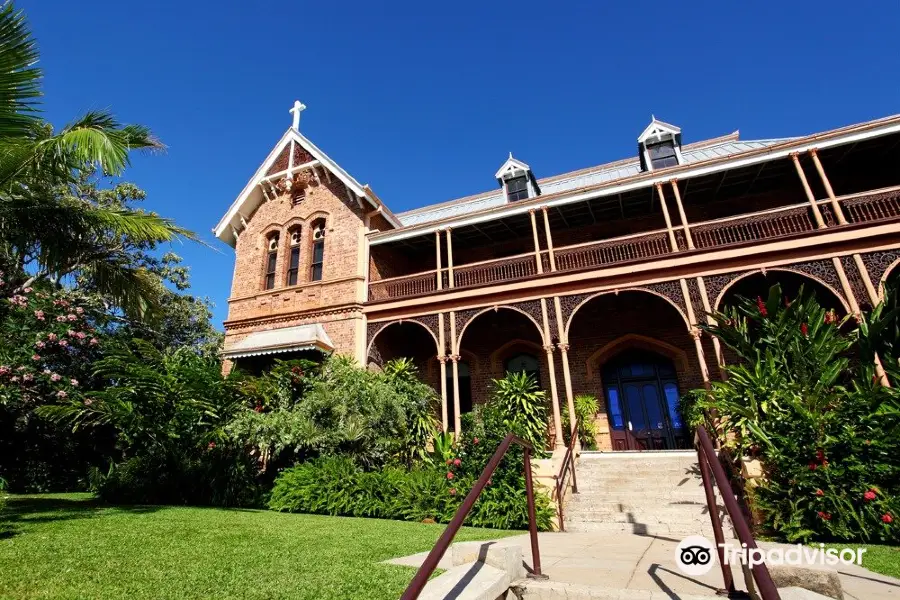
335 486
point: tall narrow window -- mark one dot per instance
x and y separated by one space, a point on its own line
294 265
517 188
318 250
271 260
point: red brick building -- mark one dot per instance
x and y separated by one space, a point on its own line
593 280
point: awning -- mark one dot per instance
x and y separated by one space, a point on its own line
286 339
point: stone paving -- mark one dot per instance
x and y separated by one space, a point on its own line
628 561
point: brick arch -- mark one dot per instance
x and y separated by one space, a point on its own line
619 291
384 326
511 347
798 272
472 317
635 341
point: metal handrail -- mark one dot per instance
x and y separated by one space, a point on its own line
434 557
711 468
567 466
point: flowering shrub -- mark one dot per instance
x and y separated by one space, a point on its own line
827 433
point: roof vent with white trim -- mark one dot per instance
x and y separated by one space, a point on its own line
517 180
659 146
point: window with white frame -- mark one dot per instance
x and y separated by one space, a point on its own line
271 260
294 262
318 250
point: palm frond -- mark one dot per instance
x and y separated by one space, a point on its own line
19 78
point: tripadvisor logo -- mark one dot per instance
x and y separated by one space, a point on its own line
696 555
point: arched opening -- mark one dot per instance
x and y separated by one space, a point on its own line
634 346
487 337
758 285
407 339
524 362
641 389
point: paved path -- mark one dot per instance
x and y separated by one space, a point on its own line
629 561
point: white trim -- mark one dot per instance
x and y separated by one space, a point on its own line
510 167
820 141
290 136
297 348
658 130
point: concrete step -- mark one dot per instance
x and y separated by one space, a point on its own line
554 590
659 516
676 530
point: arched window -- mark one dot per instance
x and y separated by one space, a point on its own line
318 250
294 264
271 259
525 363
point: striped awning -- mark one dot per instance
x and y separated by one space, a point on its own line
285 339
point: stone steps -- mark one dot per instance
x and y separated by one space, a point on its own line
554 590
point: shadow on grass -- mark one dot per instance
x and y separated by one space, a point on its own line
22 510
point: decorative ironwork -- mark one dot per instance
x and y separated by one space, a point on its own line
857 286
668 290
696 300
715 284
429 322
878 264
752 228
820 271
873 207
530 308
533 309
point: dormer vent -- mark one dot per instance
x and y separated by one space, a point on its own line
659 146
517 180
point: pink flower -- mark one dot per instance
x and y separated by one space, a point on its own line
211 445
452 491
74 382
71 317
870 495
27 377
63 343
39 314
28 290
52 337
94 341
4 370
14 378
475 441
80 335
55 377
449 475
35 357
60 319
20 368
47 371
39 345
70 333
61 394
457 462
820 493
79 310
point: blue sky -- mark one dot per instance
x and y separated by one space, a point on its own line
423 101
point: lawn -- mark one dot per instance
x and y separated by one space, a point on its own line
881 559
71 546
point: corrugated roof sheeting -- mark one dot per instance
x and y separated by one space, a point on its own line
583 179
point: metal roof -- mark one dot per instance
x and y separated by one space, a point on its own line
692 154
285 339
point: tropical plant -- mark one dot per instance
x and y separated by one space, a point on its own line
521 407
815 418
586 409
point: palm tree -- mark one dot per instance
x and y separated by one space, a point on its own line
47 230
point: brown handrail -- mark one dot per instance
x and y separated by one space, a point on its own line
567 466
434 557
711 468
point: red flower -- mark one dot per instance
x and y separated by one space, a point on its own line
457 462
211 445
812 466
258 408
452 491
824 515
870 495
761 306
820 493
804 329
830 317
449 475
887 518
475 441
489 481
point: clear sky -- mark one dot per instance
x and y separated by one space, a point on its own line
423 101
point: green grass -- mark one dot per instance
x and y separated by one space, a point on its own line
71 546
881 559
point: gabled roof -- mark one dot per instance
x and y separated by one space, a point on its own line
657 129
251 196
511 166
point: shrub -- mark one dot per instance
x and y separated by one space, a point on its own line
826 433
586 409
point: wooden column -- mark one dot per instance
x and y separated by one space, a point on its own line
665 211
857 313
828 189
809 195
563 346
442 358
551 367
457 427
537 244
695 332
549 239
717 346
437 242
450 259
684 221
